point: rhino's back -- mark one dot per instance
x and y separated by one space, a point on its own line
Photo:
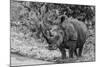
78 27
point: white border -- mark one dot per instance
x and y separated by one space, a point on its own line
5 32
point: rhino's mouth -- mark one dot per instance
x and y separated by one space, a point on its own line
52 44
52 47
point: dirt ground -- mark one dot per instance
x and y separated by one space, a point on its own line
17 60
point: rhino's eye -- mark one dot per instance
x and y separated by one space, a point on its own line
51 35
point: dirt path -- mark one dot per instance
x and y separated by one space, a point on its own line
17 60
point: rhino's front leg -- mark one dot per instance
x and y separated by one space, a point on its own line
63 52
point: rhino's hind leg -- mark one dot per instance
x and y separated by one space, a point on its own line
80 51
75 52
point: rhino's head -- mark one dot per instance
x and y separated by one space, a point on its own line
51 37
52 34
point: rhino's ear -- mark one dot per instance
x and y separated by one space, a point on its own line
62 19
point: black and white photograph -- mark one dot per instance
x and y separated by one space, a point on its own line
44 33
